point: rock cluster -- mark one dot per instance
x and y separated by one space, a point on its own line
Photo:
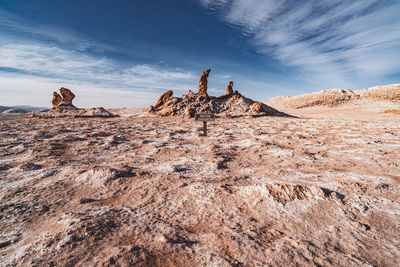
63 107
231 104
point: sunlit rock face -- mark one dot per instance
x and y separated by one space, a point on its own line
339 97
63 107
232 103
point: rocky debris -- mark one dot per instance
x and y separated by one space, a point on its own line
202 89
231 104
338 97
381 93
329 98
31 166
73 112
257 107
189 113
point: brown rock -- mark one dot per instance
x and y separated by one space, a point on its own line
189 113
167 111
57 99
188 105
229 90
257 107
67 95
202 90
163 99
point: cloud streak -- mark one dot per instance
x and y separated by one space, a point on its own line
330 42
58 67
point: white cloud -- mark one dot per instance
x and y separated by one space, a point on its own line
334 42
37 91
54 67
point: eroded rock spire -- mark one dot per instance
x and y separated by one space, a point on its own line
202 90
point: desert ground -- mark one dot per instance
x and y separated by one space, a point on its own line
318 189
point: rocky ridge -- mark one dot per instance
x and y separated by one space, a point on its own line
338 97
231 104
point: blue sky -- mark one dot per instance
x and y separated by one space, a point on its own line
126 53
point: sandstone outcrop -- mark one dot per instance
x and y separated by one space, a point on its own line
57 99
67 95
202 90
229 89
63 107
64 102
231 104
163 99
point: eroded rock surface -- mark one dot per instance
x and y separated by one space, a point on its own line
231 104
63 107
163 99
67 95
202 89
57 99
388 94
139 190
229 89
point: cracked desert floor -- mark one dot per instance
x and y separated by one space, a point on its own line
321 189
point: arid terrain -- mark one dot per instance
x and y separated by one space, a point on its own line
318 189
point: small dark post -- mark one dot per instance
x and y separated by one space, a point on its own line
204 117
205 128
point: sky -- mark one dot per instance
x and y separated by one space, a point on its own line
125 53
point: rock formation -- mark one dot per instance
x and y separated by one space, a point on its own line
63 107
229 90
57 99
257 107
67 95
64 102
163 99
231 104
202 90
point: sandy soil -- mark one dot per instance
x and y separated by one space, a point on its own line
318 190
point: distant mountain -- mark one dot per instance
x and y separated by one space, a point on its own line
25 108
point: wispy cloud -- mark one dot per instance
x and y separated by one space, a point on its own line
331 42
58 67
42 56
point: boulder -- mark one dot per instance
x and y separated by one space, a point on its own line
167 111
257 107
163 99
67 95
189 113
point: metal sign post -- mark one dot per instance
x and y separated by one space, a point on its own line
204 117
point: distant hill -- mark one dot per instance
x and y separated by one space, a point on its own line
25 108
338 97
